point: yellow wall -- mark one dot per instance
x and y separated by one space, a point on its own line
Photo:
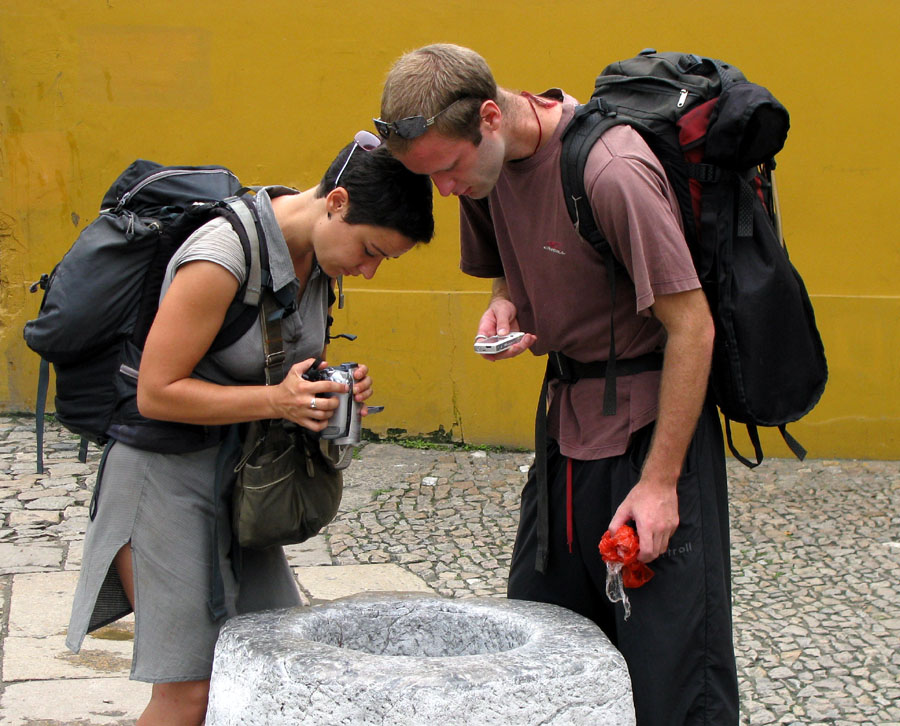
273 89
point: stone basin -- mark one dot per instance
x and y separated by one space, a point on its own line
414 659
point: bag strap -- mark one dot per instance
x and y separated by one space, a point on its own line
40 408
792 443
95 495
579 138
542 554
568 370
225 459
270 315
754 439
795 446
40 417
241 213
243 209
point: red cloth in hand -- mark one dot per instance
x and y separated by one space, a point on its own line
623 546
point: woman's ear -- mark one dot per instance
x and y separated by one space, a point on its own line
336 200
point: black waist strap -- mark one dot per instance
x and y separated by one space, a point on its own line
568 370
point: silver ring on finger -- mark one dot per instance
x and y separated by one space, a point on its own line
312 404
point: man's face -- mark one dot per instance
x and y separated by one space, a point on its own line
457 166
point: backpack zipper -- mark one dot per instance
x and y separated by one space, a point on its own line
684 91
163 175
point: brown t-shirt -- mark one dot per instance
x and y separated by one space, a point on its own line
558 282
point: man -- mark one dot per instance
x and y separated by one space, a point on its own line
658 460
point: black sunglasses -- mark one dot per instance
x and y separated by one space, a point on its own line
411 127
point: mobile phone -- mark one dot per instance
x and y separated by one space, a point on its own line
496 343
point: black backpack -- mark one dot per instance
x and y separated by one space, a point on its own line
716 135
101 298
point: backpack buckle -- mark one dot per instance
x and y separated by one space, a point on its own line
40 284
559 366
599 104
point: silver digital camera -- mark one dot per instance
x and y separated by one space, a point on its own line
344 425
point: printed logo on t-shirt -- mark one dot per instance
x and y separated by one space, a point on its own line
554 247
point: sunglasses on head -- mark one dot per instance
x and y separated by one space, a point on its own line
365 140
411 127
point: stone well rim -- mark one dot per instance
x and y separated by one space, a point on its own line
570 631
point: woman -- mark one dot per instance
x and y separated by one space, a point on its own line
149 546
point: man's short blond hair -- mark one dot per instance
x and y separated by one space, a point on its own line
426 81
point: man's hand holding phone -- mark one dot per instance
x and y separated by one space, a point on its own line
485 344
497 339
499 347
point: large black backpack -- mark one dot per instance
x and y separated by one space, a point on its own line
716 135
101 298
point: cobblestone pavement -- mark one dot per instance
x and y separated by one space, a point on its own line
815 555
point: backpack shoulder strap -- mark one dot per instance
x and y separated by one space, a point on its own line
591 121
579 137
244 219
241 214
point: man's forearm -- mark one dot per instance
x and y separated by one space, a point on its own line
683 386
499 289
682 392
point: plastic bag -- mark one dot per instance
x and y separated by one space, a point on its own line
619 551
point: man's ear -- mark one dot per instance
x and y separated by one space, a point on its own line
336 200
491 115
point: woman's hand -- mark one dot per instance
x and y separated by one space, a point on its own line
362 386
303 402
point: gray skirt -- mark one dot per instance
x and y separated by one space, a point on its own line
164 505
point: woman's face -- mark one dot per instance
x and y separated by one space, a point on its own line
356 249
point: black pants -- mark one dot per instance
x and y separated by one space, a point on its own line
677 642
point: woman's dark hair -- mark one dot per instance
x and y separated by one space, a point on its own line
382 192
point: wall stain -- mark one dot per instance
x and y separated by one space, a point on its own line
14 121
